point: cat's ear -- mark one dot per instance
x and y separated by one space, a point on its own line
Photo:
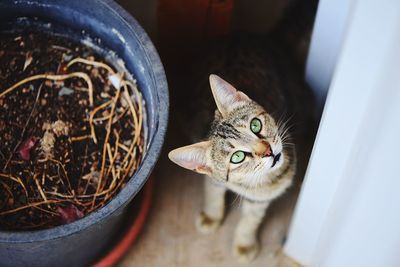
225 95
193 157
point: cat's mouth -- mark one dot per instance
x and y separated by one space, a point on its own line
276 159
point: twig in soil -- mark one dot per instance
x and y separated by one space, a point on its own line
112 161
7 188
26 125
91 117
133 111
65 173
40 189
83 166
62 77
17 180
102 118
111 156
138 122
114 104
47 211
91 62
79 138
121 115
30 205
58 47
123 147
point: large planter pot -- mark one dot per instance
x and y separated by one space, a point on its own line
82 242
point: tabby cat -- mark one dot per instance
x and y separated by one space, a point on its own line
248 149
244 153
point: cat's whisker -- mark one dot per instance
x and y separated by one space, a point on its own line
289 145
285 135
287 127
283 124
280 120
286 138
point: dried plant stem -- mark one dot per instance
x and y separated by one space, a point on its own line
17 180
91 118
136 93
111 168
65 173
61 77
108 117
133 111
30 205
47 211
137 122
112 161
131 163
102 118
80 138
113 157
7 188
76 196
91 62
40 189
121 115
127 173
123 147
114 104
26 125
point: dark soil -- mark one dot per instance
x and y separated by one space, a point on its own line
52 171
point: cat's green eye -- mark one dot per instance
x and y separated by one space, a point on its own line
238 157
255 125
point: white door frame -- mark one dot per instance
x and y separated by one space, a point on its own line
347 213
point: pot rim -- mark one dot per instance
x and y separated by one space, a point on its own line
155 143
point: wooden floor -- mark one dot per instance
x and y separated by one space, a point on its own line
170 238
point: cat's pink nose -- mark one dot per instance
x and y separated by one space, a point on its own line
263 149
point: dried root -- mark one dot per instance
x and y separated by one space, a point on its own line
81 75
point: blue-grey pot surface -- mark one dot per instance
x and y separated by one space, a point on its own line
83 241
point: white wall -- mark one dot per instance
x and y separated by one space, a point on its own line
347 213
329 30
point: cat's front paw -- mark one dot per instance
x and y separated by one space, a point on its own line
246 253
206 224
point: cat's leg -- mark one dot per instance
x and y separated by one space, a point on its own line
210 218
245 244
